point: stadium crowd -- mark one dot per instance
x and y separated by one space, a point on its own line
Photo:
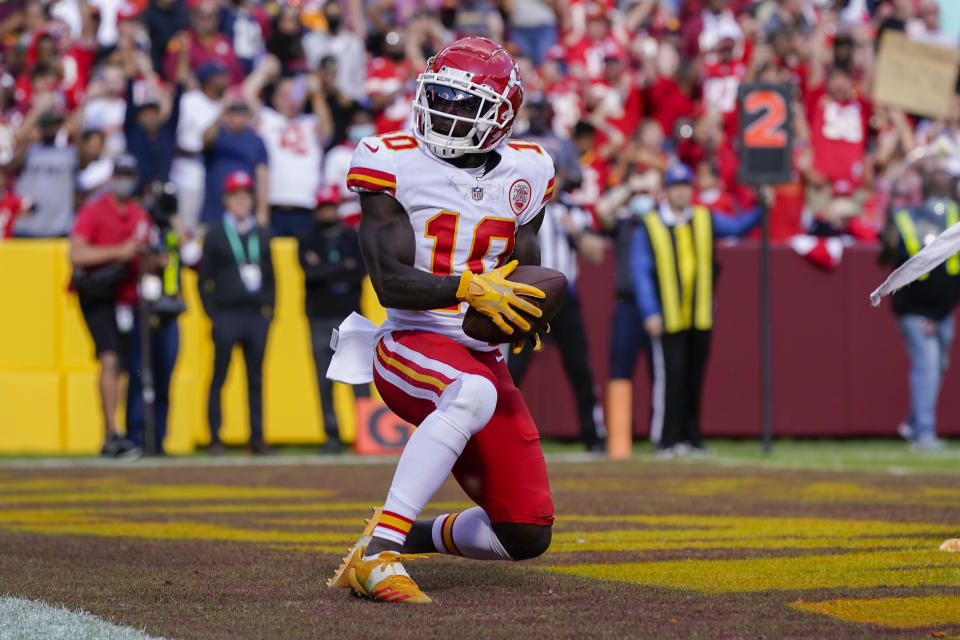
617 92
197 89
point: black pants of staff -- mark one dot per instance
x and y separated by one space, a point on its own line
567 330
679 362
320 330
249 329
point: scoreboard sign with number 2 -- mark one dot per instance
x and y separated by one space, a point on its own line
766 134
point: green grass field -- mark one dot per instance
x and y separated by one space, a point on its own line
822 539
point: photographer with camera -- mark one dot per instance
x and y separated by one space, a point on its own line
108 234
156 336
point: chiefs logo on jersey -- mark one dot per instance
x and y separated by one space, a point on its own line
520 196
293 139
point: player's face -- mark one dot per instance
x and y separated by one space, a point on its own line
456 103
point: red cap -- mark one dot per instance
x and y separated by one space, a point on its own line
842 188
596 10
328 194
129 10
236 181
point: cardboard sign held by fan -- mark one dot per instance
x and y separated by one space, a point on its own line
917 77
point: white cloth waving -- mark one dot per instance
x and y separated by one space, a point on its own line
929 258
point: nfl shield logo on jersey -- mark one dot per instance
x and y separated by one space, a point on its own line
477 193
520 196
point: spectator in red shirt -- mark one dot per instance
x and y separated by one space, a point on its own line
839 125
205 43
724 69
106 238
388 84
11 206
616 96
708 27
664 98
585 56
43 78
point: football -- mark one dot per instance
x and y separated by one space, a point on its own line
551 282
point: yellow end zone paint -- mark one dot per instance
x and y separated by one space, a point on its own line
765 489
903 613
109 492
847 570
875 552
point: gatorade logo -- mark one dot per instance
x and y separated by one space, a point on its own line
387 429
379 430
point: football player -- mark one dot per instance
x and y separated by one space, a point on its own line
449 209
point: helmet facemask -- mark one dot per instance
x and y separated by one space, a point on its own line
454 115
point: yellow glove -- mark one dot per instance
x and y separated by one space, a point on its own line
518 346
494 296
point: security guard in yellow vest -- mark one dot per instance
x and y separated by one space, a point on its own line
672 264
924 309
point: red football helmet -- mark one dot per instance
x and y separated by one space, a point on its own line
467 98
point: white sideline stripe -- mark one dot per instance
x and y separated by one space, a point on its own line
319 460
22 619
828 463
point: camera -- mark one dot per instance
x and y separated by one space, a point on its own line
160 201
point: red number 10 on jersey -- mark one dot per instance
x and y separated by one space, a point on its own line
443 227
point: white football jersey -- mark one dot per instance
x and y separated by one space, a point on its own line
459 220
295 156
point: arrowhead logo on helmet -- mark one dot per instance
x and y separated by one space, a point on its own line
467 98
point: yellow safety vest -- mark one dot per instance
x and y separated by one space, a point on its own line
683 255
908 231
